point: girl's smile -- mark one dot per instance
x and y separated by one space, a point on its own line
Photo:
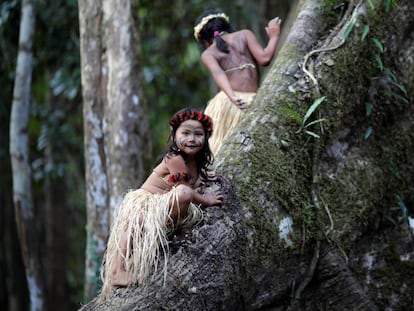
190 136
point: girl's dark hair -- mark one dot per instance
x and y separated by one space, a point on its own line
206 34
204 157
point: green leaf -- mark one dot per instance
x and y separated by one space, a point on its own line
387 5
365 32
312 108
400 86
368 132
348 30
378 44
312 134
391 74
379 62
390 219
402 206
314 122
398 97
368 109
390 3
394 170
371 4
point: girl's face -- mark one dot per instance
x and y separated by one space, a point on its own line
190 137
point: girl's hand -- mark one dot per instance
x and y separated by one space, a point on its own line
239 102
273 27
213 198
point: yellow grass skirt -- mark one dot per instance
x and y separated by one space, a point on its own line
225 116
139 236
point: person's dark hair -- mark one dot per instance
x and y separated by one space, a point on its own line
204 157
216 25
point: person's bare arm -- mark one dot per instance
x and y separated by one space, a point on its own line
264 56
176 165
221 79
208 199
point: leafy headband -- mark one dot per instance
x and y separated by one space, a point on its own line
205 20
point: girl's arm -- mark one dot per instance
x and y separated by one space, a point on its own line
208 199
176 165
264 55
221 79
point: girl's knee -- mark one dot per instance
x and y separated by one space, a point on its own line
185 194
179 207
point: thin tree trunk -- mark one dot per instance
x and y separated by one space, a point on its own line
97 200
57 215
19 152
12 274
117 142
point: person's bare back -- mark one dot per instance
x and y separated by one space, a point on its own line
239 64
232 58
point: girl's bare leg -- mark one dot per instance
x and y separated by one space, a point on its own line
119 276
179 209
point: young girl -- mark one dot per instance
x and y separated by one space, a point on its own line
166 200
232 58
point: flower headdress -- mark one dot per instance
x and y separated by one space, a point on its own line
190 114
205 20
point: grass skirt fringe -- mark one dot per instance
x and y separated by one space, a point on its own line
139 236
225 116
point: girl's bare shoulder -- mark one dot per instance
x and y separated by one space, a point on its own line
173 162
168 163
242 33
172 157
239 38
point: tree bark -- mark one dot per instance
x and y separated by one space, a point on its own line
57 226
116 129
309 223
15 296
19 153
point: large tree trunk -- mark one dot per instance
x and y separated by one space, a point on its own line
116 130
19 152
309 223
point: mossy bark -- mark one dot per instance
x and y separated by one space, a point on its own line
309 223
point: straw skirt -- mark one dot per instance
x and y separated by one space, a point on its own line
225 117
138 241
